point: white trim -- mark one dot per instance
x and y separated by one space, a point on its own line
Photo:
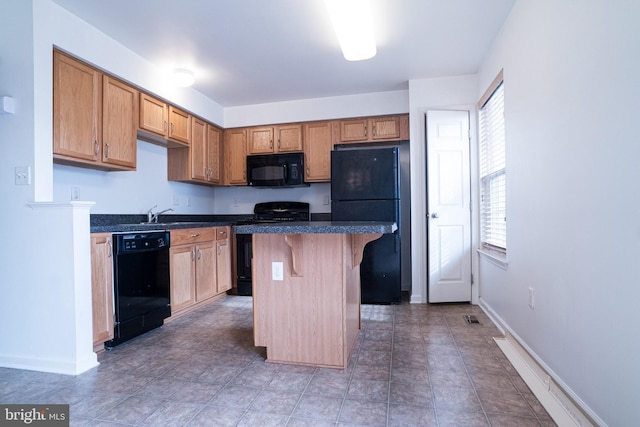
496 258
49 205
562 404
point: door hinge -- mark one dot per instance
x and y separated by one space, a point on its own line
472 278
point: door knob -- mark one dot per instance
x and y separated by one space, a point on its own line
435 215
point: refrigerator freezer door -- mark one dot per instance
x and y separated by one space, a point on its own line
369 174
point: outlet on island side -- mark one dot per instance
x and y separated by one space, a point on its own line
277 270
532 298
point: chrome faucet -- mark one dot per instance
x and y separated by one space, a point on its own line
153 217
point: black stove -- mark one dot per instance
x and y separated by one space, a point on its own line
267 212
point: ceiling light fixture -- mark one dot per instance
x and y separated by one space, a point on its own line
183 77
353 23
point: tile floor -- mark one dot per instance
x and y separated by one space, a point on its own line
414 365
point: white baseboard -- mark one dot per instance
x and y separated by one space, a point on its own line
561 403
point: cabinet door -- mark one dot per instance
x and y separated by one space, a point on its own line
119 123
223 273
260 140
318 143
199 159
205 270
179 129
289 138
235 152
214 154
77 115
385 128
102 287
182 275
153 115
354 130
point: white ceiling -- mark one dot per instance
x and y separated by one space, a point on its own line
256 51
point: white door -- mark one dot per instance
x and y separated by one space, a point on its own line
448 206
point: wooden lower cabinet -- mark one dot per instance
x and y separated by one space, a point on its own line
102 288
199 264
223 263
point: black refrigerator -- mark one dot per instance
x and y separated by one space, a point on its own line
365 186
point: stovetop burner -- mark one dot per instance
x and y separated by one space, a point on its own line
280 212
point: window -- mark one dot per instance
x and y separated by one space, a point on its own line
493 203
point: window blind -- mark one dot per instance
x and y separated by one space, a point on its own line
493 203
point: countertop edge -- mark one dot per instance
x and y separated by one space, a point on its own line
319 227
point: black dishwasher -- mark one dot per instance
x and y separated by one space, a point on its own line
141 283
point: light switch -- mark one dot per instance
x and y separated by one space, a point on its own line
23 175
277 270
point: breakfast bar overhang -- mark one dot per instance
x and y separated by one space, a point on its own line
306 288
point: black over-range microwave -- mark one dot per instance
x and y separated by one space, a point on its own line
276 170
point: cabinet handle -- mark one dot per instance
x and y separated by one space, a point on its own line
199 253
110 248
193 254
165 125
219 250
195 235
374 130
107 152
278 144
172 128
96 148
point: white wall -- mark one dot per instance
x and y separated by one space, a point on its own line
572 99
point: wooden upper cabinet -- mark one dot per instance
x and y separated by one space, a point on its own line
200 162
214 154
260 140
93 115
154 115
199 159
318 143
77 110
119 118
288 138
274 139
179 129
354 130
235 155
158 118
372 129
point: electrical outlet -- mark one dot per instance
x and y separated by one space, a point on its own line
176 201
75 193
277 270
325 199
532 298
235 203
189 202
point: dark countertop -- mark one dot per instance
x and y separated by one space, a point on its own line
322 227
107 223
124 228
114 223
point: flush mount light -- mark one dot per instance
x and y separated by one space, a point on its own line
352 20
183 77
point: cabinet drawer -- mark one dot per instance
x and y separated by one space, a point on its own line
186 236
222 233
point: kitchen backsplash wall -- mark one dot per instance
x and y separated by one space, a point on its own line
136 192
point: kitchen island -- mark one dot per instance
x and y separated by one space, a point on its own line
306 288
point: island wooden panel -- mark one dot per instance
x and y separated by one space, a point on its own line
312 316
